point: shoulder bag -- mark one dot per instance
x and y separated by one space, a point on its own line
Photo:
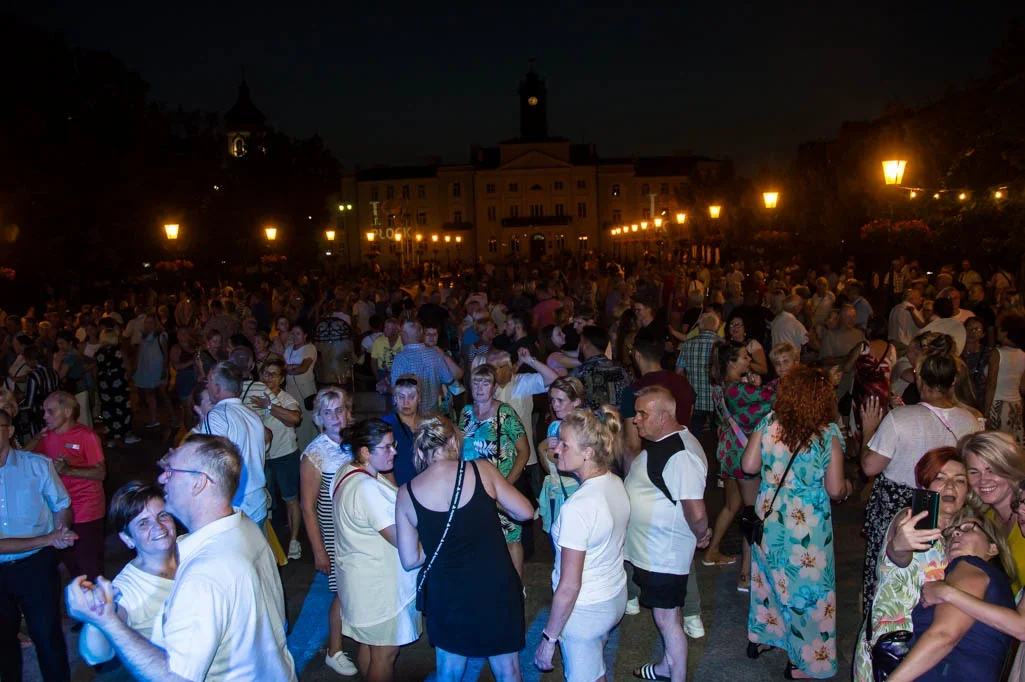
421 583
753 526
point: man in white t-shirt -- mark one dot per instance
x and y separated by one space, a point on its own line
668 520
224 620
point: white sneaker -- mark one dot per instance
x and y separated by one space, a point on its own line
132 439
295 550
341 664
693 626
633 607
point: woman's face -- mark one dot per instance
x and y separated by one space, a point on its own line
952 486
382 456
204 405
282 325
271 375
259 345
737 330
974 330
333 417
558 337
297 336
482 388
561 404
741 365
991 489
430 337
784 364
568 450
214 344
152 531
968 538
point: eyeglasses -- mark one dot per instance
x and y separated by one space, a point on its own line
167 469
390 447
270 373
964 529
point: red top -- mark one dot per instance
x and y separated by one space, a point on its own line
80 446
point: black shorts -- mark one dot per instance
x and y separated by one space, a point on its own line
660 590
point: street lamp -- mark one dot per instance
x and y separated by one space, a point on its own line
644 224
998 194
893 171
634 228
370 236
459 240
681 218
962 196
398 236
448 238
271 232
171 230
434 238
658 222
330 234
714 210
419 237
770 199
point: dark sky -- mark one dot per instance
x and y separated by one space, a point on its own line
397 82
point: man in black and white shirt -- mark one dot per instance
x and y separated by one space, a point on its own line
668 520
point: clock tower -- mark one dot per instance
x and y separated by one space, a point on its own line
533 107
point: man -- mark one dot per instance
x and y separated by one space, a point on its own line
668 521
432 313
544 310
245 363
647 355
862 307
968 276
822 302
429 364
693 366
649 317
954 294
78 458
786 326
29 542
983 310
385 348
946 323
240 425
906 318
363 309
70 367
225 617
604 380
226 324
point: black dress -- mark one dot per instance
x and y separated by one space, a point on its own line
474 597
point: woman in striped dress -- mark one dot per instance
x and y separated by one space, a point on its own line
332 410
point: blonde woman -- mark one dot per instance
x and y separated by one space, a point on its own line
332 410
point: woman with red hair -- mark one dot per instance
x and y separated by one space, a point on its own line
798 450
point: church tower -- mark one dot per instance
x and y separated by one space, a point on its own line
533 107
244 124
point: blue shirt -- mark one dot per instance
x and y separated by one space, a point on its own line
404 470
31 492
428 366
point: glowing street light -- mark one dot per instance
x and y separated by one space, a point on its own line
998 194
271 232
434 238
330 234
658 222
370 236
893 171
962 196
681 218
770 199
448 238
459 240
913 194
936 196
644 224
714 210
419 237
171 230
398 236
634 228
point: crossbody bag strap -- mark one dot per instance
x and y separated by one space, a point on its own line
779 486
338 485
448 522
724 412
936 412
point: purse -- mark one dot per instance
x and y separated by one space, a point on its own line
888 652
752 525
421 581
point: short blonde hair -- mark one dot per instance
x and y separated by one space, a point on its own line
326 395
430 442
601 430
784 348
998 451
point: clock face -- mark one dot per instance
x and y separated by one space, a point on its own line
532 101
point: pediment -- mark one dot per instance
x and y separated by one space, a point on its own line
535 159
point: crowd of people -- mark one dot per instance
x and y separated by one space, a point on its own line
593 409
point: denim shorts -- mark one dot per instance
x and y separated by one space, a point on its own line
283 472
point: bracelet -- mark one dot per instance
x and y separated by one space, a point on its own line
548 638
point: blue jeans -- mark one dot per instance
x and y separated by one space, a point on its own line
698 421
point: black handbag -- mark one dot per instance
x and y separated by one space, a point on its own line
753 526
421 579
888 652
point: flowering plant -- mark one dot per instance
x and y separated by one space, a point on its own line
273 258
174 265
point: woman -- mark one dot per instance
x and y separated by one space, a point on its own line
589 581
565 395
403 422
894 444
996 467
472 595
948 644
1006 380
976 355
262 352
902 378
872 361
486 331
740 402
491 430
737 333
553 339
280 413
182 359
793 596
279 335
137 513
212 353
911 557
115 406
300 356
17 373
317 466
378 597
151 367
784 357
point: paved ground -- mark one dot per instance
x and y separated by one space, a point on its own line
718 656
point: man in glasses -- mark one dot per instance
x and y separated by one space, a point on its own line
225 616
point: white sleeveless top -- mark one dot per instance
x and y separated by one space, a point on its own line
1012 366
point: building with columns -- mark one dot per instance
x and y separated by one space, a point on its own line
529 197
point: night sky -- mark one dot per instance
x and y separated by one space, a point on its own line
398 82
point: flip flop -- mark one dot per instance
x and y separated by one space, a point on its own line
647 672
725 561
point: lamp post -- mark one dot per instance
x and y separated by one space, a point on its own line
171 231
893 171
770 199
448 250
714 210
271 233
329 235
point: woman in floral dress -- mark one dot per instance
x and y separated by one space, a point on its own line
793 579
115 409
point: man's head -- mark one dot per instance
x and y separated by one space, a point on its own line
65 341
431 334
943 307
582 317
848 316
243 359
913 295
647 350
976 293
966 265
793 304
593 341
854 288
406 395
412 332
656 413
501 362
644 308
708 322
954 295
391 328
60 410
516 325
6 430
224 381
200 475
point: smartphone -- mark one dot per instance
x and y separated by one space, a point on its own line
926 501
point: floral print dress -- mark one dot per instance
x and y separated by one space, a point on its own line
494 439
793 577
740 407
115 409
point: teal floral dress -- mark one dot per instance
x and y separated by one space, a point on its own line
494 439
793 577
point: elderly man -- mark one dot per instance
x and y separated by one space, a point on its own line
385 348
225 617
786 326
668 520
29 541
239 424
944 322
429 363
692 364
906 318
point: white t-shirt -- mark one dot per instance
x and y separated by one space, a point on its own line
519 394
658 538
951 327
906 433
301 385
236 422
224 620
786 327
594 521
283 440
902 326
142 596
372 585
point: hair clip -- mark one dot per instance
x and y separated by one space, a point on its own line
599 415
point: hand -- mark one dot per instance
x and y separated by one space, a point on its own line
552 442
906 538
871 415
322 562
62 538
705 540
543 656
525 357
261 402
61 465
835 375
935 593
753 378
90 603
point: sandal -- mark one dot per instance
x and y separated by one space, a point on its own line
754 649
647 672
723 560
744 584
